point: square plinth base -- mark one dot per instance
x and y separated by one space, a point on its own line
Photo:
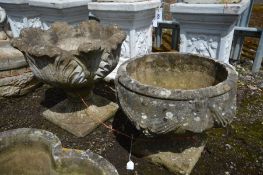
78 118
177 153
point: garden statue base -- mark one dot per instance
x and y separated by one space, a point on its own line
177 153
207 28
81 118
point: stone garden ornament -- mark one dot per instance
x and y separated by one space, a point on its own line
166 92
74 58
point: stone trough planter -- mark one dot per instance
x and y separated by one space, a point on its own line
38 152
166 92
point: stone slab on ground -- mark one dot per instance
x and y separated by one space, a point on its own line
16 78
3 35
78 119
18 85
207 29
178 154
10 58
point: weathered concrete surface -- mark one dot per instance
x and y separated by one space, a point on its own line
18 85
79 119
39 152
166 92
177 153
73 58
10 58
207 28
16 78
135 18
182 163
3 35
77 55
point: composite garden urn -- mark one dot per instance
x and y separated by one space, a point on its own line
174 92
74 58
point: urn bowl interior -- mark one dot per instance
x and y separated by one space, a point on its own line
176 71
26 151
26 158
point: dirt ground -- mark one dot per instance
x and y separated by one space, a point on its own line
236 149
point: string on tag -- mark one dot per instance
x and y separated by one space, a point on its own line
130 164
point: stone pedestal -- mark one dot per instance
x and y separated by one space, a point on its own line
178 153
79 118
41 13
207 29
135 18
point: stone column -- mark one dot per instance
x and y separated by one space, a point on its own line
133 16
207 29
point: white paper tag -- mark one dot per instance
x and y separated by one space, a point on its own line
154 22
158 17
159 14
130 165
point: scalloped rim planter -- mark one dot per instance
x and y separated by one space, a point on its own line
73 58
157 110
207 29
59 155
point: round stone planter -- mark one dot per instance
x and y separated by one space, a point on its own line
166 92
39 152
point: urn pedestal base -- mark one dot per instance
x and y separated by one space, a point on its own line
207 28
79 118
177 153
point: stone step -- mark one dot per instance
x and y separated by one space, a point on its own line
16 78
